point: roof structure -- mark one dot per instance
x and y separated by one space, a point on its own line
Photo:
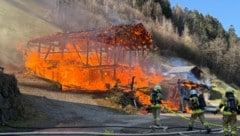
132 37
182 69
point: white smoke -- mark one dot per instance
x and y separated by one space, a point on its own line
178 62
174 61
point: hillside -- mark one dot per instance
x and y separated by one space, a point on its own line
17 27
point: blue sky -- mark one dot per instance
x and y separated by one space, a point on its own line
226 11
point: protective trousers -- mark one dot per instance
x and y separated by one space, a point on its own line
156 115
201 118
230 124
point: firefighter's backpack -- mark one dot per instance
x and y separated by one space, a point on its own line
231 105
201 101
154 98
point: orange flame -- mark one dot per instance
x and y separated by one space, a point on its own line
71 75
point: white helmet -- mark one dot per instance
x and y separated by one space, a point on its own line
157 88
193 91
229 90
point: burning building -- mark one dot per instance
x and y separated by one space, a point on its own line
91 60
99 59
185 78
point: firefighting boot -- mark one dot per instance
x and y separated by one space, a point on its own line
226 134
154 126
190 128
208 130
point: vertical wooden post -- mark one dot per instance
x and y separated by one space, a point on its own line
87 53
100 57
114 54
133 92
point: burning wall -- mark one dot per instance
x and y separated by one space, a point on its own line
89 60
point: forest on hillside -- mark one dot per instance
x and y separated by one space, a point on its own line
202 38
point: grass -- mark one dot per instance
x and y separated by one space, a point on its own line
218 91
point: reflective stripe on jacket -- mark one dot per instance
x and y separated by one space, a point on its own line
155 105
197 111
229 113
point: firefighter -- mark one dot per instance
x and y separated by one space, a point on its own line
197 110
155 98
231 108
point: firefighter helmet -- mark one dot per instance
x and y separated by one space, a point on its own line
157 88
193 91
229 90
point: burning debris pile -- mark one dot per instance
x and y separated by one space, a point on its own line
123 101
11 105
93 60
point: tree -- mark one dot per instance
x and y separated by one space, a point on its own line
232 36
138 4
166 8
213 27
178 18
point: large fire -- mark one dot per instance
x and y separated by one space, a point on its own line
94 60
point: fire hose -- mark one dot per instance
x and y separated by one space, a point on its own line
102 134
99 133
